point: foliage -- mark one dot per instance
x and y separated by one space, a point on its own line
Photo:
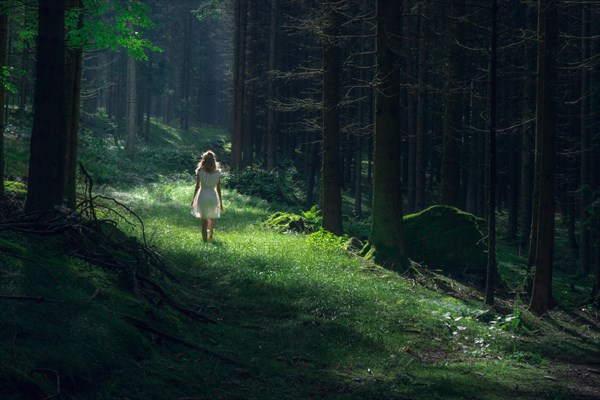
327 241
7 75
111 24
281 185
210 9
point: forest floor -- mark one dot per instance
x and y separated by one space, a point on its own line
293 316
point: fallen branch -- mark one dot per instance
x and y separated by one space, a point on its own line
32 298
185 311
142 325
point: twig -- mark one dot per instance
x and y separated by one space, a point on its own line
187 312
142 325
32 298
57 394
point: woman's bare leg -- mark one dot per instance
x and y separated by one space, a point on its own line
204 226
211 226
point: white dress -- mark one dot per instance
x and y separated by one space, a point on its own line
206 203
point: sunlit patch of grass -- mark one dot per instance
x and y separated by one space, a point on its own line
300 310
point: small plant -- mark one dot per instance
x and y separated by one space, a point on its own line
327 240
513 322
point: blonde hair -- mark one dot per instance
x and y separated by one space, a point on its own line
209 162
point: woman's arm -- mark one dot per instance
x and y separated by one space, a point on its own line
197 187
219 193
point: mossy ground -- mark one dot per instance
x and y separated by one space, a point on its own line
301 318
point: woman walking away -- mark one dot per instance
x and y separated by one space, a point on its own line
207 204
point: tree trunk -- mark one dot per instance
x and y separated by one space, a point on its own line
421 128
74 73
250 125
451 150
545 155
239 76
130 121
386 227
410 107
46 181
491 261
331 199
527 140
271 116
585 171
186 66
3 59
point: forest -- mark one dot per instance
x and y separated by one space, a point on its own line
410 199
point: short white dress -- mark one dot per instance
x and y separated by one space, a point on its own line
206 203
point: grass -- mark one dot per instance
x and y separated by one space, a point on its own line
302 319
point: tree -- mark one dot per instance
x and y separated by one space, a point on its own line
386 227
239 76
331 192
46 181
130 107
544 202
451 149
585 169
3 58
74 62
271 116
491 261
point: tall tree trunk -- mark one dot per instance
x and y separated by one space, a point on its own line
239 76
386 228
410 107
3 62
527 141
186 66
584 248
421 155
331 199
271 116
451 150
250 124
545 155
130 122
74 73
491 261
46 182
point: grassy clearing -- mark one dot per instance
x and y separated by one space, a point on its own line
300 318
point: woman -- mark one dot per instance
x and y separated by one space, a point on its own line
207 204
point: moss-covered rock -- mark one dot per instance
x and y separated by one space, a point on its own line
447 238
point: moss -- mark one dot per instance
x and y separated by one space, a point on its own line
446 238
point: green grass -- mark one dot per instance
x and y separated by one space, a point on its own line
302 319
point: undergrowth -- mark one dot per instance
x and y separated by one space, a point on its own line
297 316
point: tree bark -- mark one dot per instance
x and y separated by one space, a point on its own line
491 261
46 181
541 297
74 73
331 199
131 107
527 141
585 170
239 76
451 150
3 62
421 128
271 116
386 228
